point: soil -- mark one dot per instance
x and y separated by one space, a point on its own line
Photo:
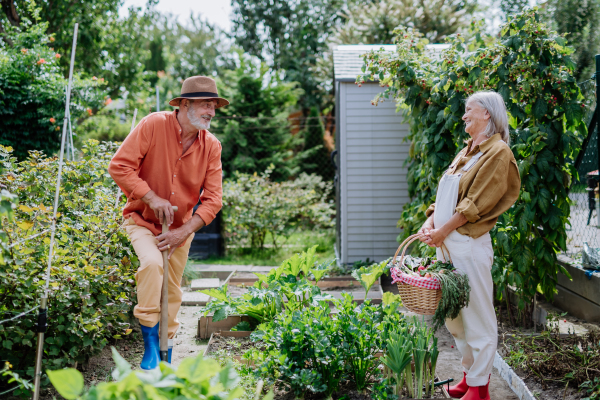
558 362
232 346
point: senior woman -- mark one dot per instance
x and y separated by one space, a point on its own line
482 182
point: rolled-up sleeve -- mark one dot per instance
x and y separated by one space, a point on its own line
126 162
430 210
212 193
487 189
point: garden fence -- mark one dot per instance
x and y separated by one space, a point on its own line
585 219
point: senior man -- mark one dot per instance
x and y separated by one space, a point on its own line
169 159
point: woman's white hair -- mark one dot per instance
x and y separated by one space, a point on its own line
494 104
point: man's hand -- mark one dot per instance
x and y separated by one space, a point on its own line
173 238
163 210
179 235
426 228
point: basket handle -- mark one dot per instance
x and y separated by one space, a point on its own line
403 243
443 247
404 246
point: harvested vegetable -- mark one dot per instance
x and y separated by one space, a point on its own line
455 286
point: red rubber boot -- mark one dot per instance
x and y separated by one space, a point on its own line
477 393
457 391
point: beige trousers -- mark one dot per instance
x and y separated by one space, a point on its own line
149 276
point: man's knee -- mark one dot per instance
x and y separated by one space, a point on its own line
149 268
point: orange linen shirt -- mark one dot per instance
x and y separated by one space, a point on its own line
151 158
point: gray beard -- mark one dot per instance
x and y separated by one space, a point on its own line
197 122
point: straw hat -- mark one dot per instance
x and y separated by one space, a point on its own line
199 88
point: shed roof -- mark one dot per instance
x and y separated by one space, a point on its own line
347 60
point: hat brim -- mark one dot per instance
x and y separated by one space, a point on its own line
221 102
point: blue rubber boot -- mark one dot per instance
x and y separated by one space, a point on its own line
170 350
151 347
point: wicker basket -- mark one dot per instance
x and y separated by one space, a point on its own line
419 300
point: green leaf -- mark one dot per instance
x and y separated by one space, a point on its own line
474 74
68 382
540 108
197 369
217 293
123 367
543 199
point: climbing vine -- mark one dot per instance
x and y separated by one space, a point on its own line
529 66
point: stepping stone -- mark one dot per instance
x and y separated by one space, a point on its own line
194 299
199 284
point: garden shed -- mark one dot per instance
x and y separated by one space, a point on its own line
371 184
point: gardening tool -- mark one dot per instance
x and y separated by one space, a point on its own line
164 308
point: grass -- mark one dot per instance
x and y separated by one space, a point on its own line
297 242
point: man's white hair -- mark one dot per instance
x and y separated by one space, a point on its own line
494 104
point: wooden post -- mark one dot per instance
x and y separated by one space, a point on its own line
164 308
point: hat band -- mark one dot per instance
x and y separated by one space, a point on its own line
199 94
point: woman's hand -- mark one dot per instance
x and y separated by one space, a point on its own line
435 237
426 228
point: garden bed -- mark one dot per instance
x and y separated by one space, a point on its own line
553 365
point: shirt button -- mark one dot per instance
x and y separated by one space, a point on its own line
179 142
172 192
174 176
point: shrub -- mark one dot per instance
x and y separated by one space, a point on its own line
530 67
32 89
91 281
195 378
254 206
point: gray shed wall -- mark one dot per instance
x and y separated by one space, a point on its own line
372 176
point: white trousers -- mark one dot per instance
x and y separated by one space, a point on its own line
475 330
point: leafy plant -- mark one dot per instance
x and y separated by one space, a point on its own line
284 288
91 281
361 328
195 378
529 65
367 276
353 336
304 350
254 207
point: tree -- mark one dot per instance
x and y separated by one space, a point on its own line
374 23
32 89
291 35
579 21
254 129
108 47
530 67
